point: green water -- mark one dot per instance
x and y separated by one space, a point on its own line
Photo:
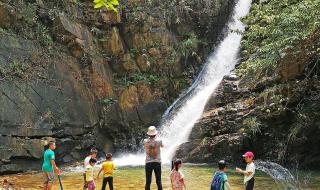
196 177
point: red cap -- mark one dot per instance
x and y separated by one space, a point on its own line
248 154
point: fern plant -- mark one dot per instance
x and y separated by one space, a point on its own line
109 4
253 125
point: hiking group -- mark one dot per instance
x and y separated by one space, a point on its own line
152 147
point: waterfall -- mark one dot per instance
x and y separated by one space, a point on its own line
179 119
281 175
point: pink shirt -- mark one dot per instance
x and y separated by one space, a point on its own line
175 177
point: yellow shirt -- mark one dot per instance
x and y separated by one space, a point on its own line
108 167
89 173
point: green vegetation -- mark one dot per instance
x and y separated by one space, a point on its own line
189 46
43 35
276 93
138 77
29 13
135 51
109 4
3 31
108 101
171 58
253 125
174 11
181 83
275 28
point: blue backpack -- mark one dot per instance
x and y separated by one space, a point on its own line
217 181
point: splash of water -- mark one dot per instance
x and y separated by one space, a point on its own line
180 118
281 175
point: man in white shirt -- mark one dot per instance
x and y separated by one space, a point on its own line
249 172
93 154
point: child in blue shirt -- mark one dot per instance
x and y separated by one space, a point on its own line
220 179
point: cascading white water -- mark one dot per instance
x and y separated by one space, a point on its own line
281 175
178 122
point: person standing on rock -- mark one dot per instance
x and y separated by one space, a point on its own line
93 154
153 147
49 166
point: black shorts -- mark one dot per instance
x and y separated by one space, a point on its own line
250 184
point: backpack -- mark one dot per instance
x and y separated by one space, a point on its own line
217 182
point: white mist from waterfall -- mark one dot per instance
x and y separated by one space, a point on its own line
176 129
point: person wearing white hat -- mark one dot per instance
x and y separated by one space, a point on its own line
153 147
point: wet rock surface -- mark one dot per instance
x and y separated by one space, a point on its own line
86 77
275 114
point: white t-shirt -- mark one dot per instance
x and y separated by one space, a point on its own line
250 168
153 152
86 162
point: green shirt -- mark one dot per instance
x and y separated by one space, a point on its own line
223 179
47 157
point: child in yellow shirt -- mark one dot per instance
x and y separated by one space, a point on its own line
107 167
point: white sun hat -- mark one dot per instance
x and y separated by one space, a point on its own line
152 131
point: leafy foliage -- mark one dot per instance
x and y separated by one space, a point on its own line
174 11
109 101
109 4
138 77
274 28
189 46
253 125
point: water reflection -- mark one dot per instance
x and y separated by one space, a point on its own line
197 178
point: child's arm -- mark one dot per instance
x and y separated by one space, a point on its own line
56 169
99 172
227 186
85 177
246 173
182 180
171 182
184 185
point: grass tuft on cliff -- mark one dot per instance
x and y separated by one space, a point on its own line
274 28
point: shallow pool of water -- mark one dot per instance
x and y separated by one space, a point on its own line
197 178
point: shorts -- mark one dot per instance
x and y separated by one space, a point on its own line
85 185
48 177
250 184
91 185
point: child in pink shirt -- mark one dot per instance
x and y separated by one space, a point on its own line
176 176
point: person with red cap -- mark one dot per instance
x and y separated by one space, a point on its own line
249 172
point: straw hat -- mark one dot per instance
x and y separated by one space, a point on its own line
152 131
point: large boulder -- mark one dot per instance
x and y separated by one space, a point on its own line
33 108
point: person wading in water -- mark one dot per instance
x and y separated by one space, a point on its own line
152 147
49 166
93 154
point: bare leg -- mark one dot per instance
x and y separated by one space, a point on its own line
45 186
49 186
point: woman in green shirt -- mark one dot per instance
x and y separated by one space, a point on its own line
49 166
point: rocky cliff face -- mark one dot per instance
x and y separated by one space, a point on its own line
274 113
87 77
